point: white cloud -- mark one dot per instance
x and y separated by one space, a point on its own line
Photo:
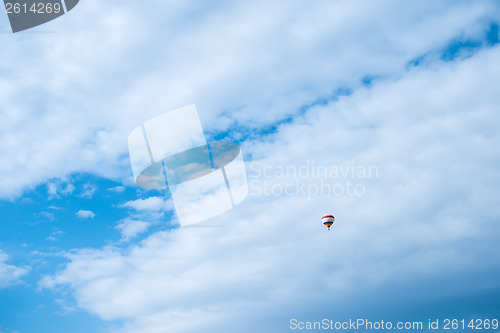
88 190
52 190
116 189
56 189
68 189
85 214
10 274
244 64
149 204
130 228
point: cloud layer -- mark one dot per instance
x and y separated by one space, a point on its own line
246 65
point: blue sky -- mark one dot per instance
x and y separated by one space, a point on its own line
42 226
408 88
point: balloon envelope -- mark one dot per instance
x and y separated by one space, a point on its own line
328 220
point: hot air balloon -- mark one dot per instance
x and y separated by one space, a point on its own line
328 220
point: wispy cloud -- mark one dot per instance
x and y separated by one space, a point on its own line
149 204
130 228
10 274
57 189
88 191
116 189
